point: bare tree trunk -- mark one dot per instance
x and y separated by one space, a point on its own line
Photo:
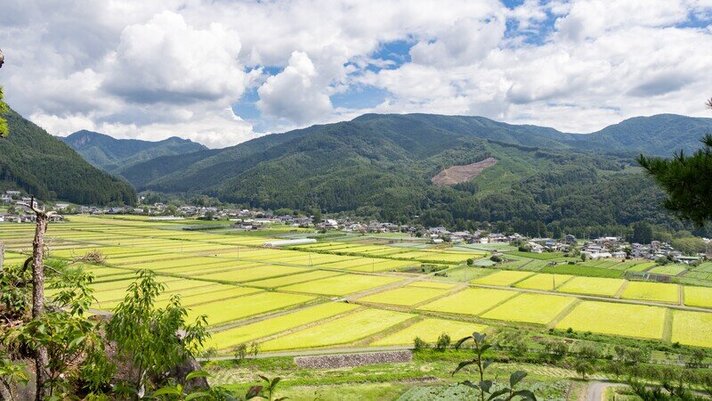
38 300
2 254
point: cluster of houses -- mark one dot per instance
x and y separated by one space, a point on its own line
20 214
618 248
248 220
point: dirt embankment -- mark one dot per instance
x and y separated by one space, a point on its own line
458 174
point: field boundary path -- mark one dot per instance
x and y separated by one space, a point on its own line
596 390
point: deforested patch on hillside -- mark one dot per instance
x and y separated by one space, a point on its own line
459 174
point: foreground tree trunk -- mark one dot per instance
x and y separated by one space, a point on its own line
38 297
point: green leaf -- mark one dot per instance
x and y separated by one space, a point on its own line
463 365
196 374
253 392
526 395
461 341
77 341
516 377
486 385
168 390
471 384
196 395
497 394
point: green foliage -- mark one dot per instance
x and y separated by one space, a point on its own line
154 340
689 245
419 344
488 389
77 361
4 129
380 167
687 180
443 342
240 353
642 233
43 166
586 359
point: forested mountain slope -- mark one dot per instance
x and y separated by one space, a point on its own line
382 165
44 166
112 154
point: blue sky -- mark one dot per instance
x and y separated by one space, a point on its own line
225 72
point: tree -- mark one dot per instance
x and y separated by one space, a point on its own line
686 179
38 296
154 340
4 130
75 354
642 233
443 342
487 389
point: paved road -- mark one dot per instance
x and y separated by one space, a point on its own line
596 390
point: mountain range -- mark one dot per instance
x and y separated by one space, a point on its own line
522 177
383 165
112 155
42 165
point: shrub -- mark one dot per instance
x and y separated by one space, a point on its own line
443 342
419 344
240 353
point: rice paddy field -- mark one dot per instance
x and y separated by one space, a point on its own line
692 328
368 292
617 319
602 286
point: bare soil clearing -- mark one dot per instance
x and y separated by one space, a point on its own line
458 174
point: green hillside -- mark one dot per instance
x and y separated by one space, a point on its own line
112 154
381 166
45 167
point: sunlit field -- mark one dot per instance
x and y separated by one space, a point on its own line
357 294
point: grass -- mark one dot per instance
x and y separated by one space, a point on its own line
692 328
540 256
579 270
531 308
472 301
342 285
616 319
503 278
222 312
345 392
406 296
344 330
250 332
658 292
543 281
429 330
592 286
698 296
671 270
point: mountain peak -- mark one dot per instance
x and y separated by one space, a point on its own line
111 154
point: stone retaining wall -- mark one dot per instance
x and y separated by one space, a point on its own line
351 360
